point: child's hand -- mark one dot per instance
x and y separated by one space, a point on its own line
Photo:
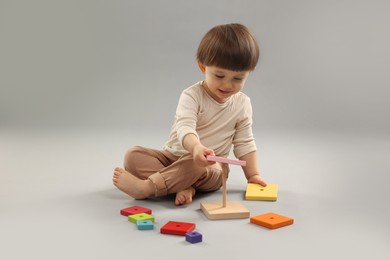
200 154
257 179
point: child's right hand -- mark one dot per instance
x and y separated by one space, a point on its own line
200 153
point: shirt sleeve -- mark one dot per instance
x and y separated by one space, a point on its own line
186 115
243 139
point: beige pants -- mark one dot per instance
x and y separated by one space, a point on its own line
170 173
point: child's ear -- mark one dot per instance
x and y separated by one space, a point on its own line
202 67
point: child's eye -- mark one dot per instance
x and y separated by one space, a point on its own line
237 79
220 76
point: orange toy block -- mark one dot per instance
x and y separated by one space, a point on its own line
271 220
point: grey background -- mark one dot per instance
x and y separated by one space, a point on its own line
80 81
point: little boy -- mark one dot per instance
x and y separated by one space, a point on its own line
212 116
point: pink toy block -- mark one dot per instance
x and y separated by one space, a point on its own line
225 160
177 228
135 210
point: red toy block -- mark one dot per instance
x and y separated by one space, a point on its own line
225 160
271 220
177 228
135 210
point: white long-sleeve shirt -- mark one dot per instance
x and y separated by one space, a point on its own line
217 125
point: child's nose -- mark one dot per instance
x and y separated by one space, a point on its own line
228 85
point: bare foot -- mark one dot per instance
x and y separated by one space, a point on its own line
257 179
131 185
184 196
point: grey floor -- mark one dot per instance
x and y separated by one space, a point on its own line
57 200
91 64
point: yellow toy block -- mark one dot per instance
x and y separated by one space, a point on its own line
258 192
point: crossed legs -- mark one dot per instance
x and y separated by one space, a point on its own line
152 173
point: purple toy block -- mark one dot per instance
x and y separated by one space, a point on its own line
194 237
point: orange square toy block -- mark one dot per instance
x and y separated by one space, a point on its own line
271 220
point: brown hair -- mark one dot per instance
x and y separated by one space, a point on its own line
229 46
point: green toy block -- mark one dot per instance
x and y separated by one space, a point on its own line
141 216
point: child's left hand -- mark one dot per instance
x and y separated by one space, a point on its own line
257 179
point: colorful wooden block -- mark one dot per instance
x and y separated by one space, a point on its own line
194 237
257 192
145 225
141 216
233 210
225 160
135 210
271 220
177 228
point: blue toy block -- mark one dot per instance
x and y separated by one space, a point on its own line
145 225
194 237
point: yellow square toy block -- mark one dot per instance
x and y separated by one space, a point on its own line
258 192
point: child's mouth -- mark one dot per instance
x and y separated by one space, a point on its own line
224 91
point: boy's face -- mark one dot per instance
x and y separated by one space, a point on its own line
221 84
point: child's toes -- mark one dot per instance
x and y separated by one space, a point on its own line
179 200
119 170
